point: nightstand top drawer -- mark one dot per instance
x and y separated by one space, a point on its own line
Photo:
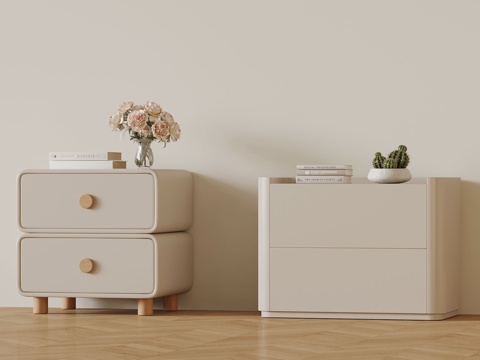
109 201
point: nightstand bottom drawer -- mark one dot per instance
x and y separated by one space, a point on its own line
87 265
126 266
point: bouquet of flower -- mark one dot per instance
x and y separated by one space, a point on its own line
147 121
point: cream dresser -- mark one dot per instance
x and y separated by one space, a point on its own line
105 234
359 250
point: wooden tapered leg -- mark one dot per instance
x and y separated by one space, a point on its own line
170 302
145 307
69 303
40 305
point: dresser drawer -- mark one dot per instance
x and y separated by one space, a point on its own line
111 201
348 216
348 280
137 266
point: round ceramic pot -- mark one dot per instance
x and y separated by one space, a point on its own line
389 176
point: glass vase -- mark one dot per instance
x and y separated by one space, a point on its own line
144 155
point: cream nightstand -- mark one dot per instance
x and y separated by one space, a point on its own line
105 234
361 250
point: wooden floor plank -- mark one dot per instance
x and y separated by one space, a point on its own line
209 335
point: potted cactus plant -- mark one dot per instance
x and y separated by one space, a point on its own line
391 169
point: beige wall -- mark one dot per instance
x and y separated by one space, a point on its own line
258 87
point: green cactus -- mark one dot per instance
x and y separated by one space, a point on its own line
378 161
397 159
400 156
390 163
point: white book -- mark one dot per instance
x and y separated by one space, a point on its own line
325 172
324 167
323 179
85 155
86 164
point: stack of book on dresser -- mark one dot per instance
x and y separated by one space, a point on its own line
324 174
86 160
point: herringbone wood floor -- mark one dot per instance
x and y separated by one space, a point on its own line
97 334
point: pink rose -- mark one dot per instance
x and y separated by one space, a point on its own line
160 131
137 119
145 131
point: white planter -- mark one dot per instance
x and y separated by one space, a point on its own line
389 176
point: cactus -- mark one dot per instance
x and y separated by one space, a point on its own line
400 156
390 163
378 161
397 159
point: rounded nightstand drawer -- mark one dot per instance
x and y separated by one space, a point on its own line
87 265
105 265
110 201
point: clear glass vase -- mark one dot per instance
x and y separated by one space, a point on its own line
144 155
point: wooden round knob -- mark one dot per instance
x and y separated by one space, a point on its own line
86 265
86 201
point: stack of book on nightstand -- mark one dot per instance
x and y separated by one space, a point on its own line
324 174
86 160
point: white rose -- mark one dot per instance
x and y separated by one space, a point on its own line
153 108
175 131
137 107
124 106
168 118
114 120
